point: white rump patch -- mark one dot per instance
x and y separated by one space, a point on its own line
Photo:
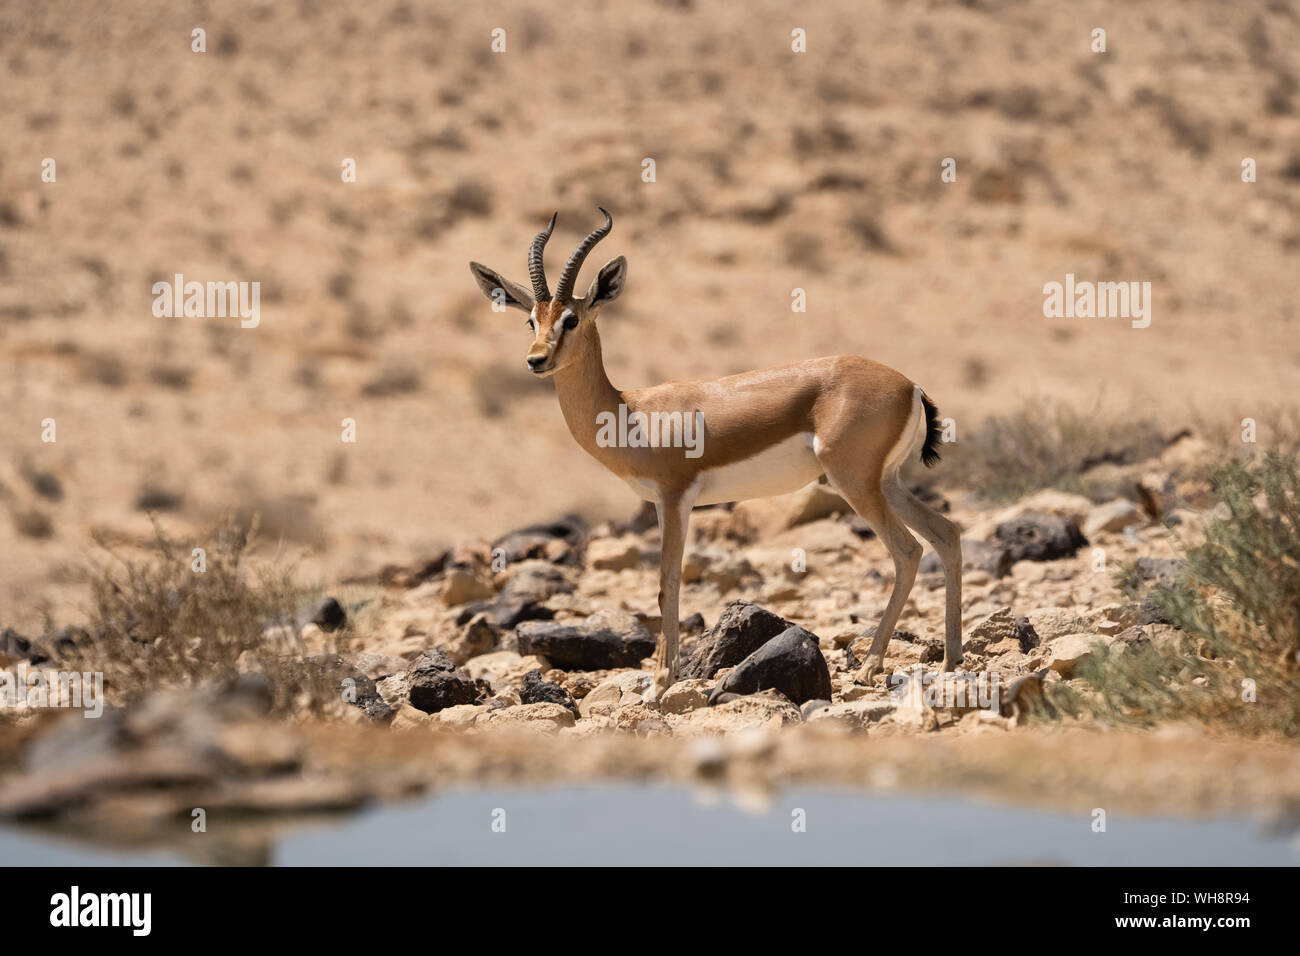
911 432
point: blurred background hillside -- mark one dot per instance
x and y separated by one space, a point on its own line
774 171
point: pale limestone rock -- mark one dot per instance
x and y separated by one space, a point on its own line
477 637
504 667
312 637
858 714
770 516
589 727
461 586
409 717
1114 613
734 716
1053 622
685 696
1064 654
639 719
997 627
779 593
544 717
910 718
460 715
622 688
1113 516
394 689
614 554
852 691
716 566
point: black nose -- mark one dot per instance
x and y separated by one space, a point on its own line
535 362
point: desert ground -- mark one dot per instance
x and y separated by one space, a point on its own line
773 171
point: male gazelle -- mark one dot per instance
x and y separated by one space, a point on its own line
764 433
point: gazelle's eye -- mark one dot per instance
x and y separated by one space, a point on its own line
571 322
532 326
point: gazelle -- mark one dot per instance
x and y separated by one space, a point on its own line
765 433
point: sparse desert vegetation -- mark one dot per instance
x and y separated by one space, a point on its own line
1234 661
411 576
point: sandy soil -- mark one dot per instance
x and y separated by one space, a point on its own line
775 171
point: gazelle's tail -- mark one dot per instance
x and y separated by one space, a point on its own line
933 433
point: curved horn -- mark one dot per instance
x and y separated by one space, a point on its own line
564 288
536 271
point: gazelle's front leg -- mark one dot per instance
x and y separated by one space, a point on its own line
674 517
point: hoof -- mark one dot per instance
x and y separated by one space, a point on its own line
664 679
951 665
870 668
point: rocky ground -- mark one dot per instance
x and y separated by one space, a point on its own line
526 658
775 171
781 597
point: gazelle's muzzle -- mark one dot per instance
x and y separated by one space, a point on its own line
540 362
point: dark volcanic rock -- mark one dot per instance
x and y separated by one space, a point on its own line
1151 612
646 517
975 556
860 527
329 615
536 581
361 693
606 639
538 691
521 599
791 663
1038 536
15 647
436 683
558 541
1026 635
931 497
331 674
72 639
1163 572
393 575
505 614
741 629
692 625
1024 693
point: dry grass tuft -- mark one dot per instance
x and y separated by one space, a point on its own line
1043 445
167 619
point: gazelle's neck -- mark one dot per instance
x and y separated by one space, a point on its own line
585 391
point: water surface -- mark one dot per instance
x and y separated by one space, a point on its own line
672 825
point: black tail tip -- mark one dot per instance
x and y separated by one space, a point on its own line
933 433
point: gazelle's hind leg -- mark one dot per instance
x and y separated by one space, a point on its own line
946 540
867 498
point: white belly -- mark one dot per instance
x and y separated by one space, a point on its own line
646 490
778 470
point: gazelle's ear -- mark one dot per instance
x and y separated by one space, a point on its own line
500 289
608 284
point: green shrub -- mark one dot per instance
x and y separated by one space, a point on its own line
1237 610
